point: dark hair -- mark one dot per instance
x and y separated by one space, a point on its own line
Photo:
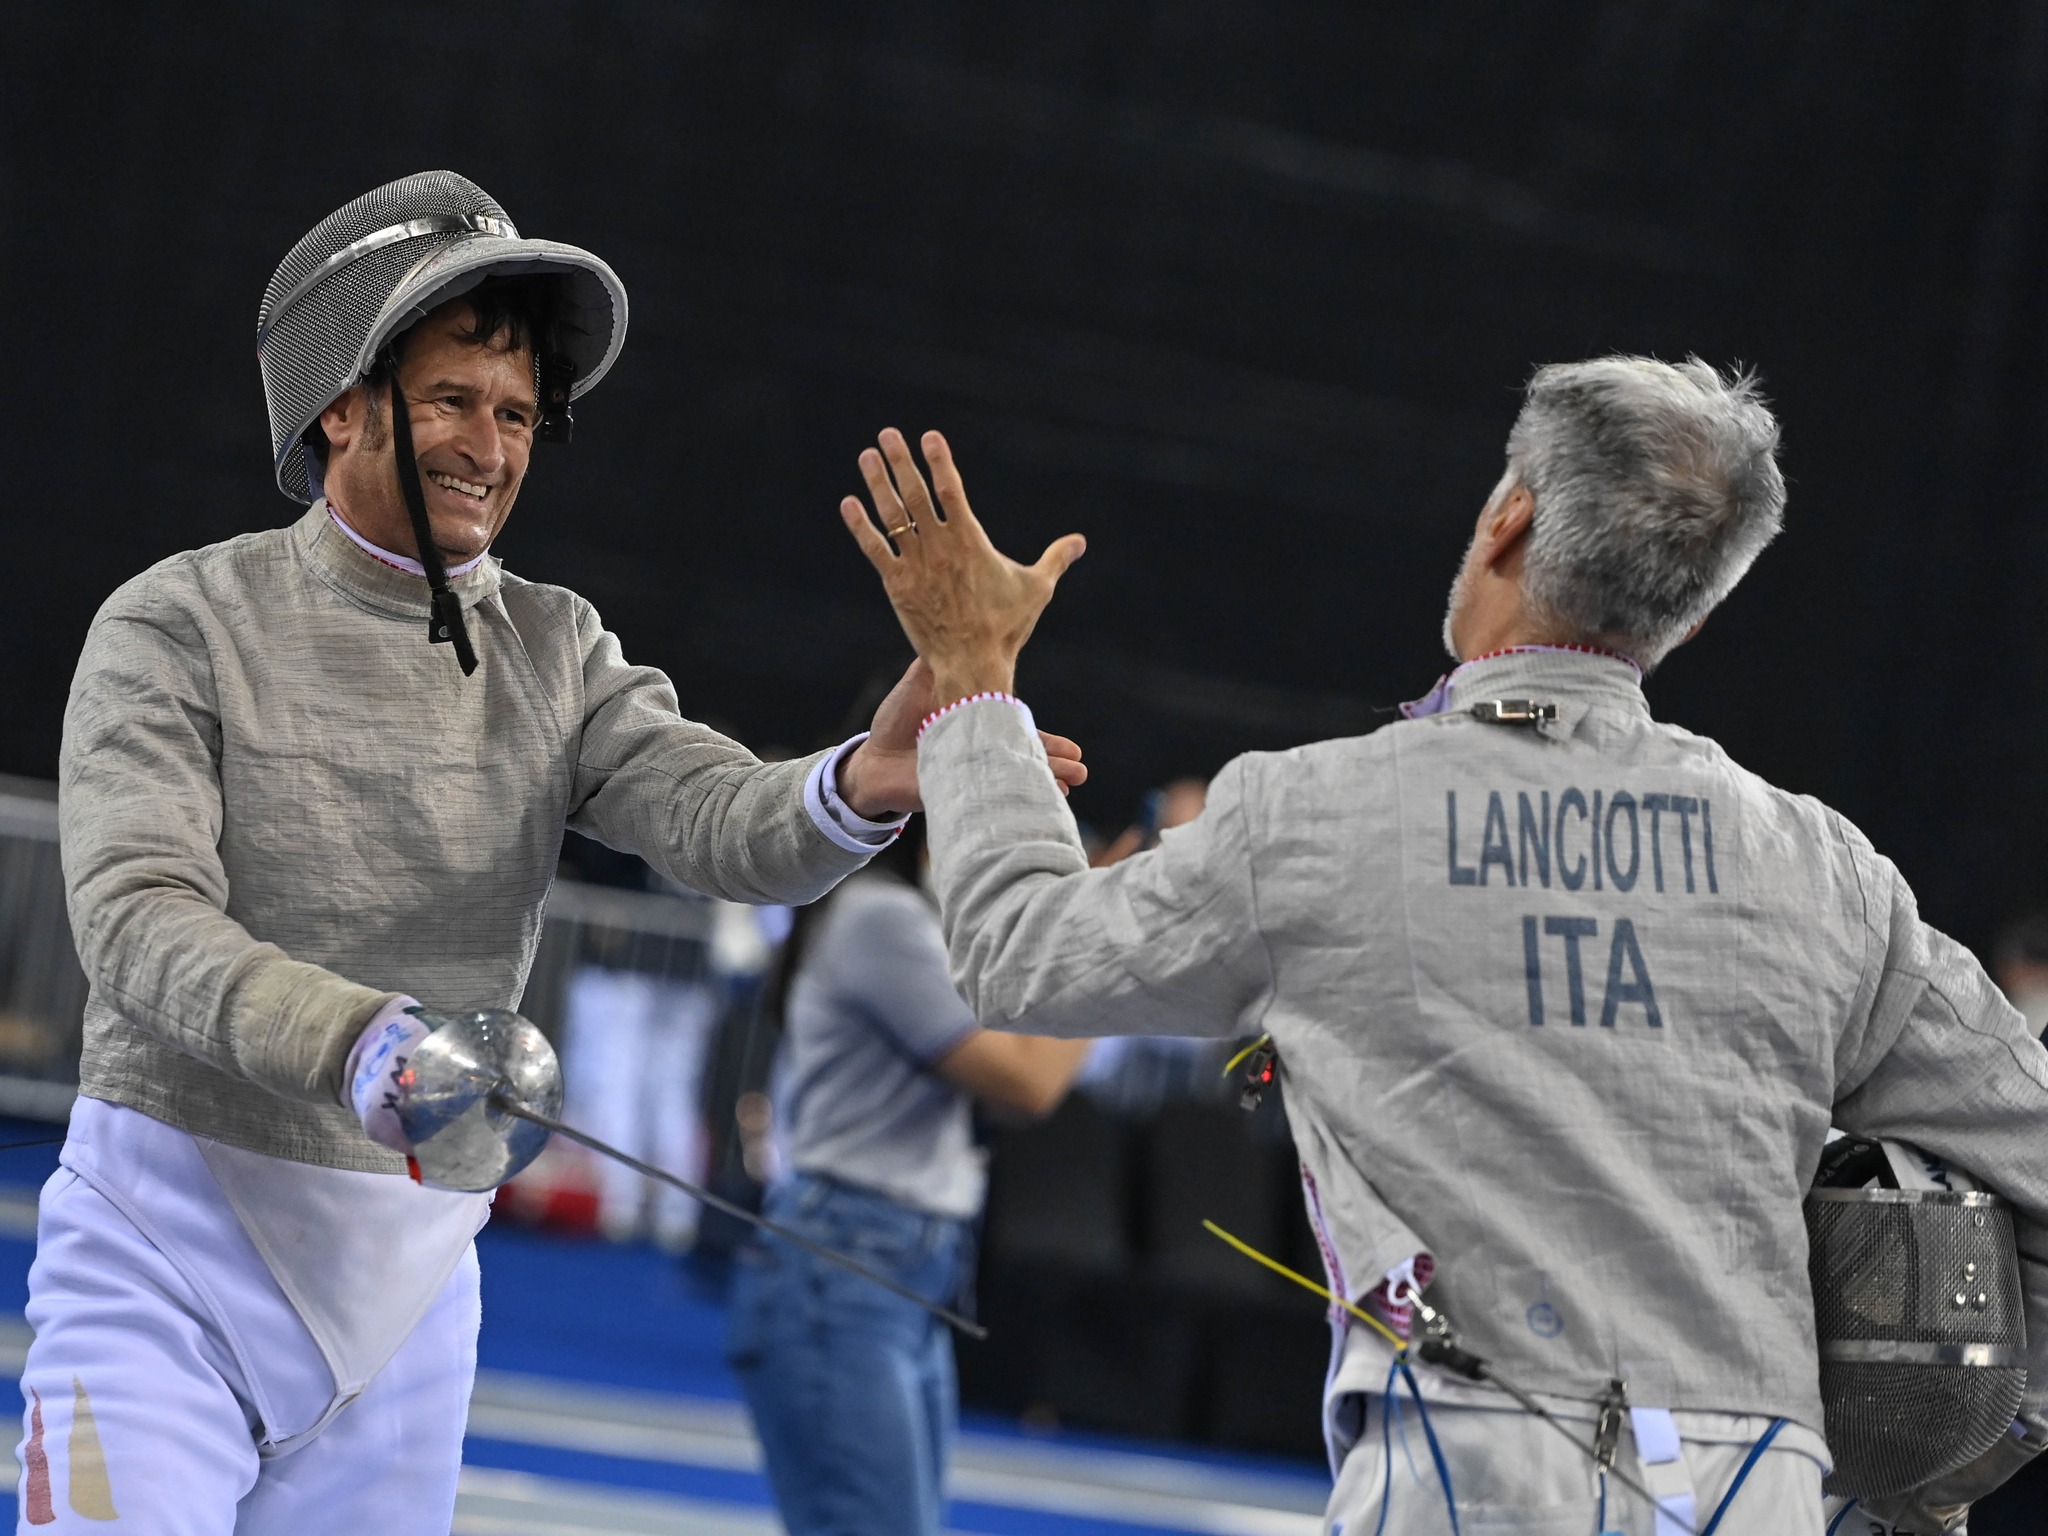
520 310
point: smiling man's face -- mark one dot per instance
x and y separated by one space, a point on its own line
473 414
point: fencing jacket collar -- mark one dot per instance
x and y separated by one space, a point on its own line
1519 668
386 557
368 578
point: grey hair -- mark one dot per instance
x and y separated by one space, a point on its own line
1656 485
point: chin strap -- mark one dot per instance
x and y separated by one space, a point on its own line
445 622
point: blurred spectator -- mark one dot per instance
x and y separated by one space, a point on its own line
2019 964
632 1064
851 1388
1177 803
637 1019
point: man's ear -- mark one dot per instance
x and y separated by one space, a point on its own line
343 419
1508 525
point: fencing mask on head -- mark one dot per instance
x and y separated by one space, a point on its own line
374 267
1918 1314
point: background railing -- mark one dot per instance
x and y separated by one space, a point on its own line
42 990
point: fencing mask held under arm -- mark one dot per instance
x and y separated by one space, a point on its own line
1918 1314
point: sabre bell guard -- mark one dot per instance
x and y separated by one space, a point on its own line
461 1140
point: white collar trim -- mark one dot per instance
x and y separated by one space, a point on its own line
402 562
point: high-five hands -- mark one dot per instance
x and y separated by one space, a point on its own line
879 779
967 607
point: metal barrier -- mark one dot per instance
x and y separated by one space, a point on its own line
668 937
42 990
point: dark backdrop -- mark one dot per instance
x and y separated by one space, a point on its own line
1242 291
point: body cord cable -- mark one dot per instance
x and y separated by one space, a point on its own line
1742 1476
1436 1452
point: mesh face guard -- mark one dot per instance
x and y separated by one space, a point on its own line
370 269
1922 1332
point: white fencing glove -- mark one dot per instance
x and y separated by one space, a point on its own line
369 1083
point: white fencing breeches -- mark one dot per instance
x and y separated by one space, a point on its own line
141 1408
1512 1473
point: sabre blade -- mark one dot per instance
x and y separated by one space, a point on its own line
519 1111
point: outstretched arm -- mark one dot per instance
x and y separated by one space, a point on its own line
1025 1074
1165 943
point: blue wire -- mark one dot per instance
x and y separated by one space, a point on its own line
1389 1406
1436 1453
1835 1524
1600 1520
1742 1475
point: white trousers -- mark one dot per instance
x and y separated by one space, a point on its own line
1511 1473
143 1406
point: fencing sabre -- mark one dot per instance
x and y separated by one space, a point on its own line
1439 1346
510 1106
478 1098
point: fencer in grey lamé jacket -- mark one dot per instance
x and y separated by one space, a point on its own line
1572 1008
281 807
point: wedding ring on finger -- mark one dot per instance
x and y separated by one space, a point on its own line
897 533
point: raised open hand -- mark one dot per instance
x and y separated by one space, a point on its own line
966 606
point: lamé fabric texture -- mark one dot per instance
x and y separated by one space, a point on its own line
281 807
1572 1005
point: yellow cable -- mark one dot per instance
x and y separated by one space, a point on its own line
1278 1268
1230 1066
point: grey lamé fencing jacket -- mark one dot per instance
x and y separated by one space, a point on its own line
1571 1007
281 807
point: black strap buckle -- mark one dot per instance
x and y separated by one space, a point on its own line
1607 1430
556 375
1262 1066
446 618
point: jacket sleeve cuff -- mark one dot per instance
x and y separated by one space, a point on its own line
842 826
944 710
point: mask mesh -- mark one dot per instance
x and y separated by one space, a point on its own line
1918 1270
309 356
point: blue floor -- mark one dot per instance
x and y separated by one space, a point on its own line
656 1330
590 1310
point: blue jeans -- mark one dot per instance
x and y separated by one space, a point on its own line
852 1389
